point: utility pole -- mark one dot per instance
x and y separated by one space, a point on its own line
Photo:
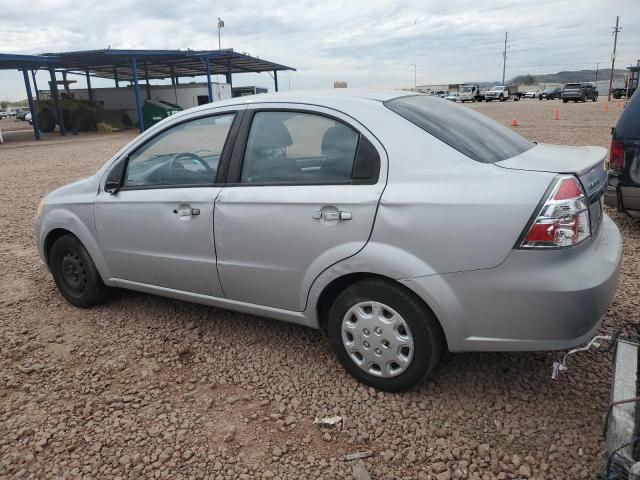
220 25
504 56
415 77
616 29
597 66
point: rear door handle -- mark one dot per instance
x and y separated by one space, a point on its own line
186 212
339 215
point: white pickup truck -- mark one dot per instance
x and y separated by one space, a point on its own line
502 93
469 93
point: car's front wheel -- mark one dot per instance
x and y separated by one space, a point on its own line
75 274
384 335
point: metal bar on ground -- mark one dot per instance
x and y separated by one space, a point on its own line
207 64
34 115
136 87
275 79
90 92
55 96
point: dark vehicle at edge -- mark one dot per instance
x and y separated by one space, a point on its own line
579 92
623 191
550 94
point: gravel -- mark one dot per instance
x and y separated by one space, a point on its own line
147 387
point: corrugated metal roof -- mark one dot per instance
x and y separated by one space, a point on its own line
157 64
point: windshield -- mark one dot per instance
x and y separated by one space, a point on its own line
466 88
471 133
498 87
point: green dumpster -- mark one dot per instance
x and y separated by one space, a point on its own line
155 110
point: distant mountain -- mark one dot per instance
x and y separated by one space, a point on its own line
568 77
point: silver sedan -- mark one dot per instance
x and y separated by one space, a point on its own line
400 224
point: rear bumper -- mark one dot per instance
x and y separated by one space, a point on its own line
534 300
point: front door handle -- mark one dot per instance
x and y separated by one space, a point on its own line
186 212
332 215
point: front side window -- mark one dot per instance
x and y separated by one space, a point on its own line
298 148
187 154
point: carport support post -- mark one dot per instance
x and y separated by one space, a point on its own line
34 115
90 92
146 77
115 77
35 84
173 75
229 78
136 88
207 64
56 100
275 79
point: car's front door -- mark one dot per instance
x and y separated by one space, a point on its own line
302 194
157 229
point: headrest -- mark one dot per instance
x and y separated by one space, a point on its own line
338 138
269 131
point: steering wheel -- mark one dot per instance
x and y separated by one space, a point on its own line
192 156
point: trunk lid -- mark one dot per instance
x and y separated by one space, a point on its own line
587 163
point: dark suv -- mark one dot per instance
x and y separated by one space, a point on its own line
550 93
579 92
623 191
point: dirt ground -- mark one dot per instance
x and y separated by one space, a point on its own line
147 387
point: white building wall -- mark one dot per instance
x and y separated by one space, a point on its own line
185 95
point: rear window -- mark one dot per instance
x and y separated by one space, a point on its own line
572 85
629 124
469 132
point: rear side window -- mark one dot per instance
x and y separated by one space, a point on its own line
629 124
298 148
469 132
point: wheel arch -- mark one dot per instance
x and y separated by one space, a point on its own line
331 291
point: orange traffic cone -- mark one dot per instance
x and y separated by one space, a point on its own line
514 122
557 114
606 106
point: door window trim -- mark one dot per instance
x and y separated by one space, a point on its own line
234 172
223 164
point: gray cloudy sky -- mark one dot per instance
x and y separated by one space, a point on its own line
367 43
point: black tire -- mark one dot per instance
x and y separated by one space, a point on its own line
75 274
501 98
428 338
46 122
595 98
564 100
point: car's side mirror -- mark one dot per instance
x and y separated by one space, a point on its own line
113 183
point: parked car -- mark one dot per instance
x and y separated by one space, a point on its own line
398 223
532 93
4 114
624 161
453 97
21 113
502 93
579 92
28 118
550 93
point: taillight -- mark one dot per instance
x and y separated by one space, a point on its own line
563 219
616 156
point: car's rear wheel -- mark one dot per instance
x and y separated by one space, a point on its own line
384 335
75 274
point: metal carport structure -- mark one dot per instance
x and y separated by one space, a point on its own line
134 66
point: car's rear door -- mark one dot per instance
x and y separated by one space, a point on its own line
301 194
158 228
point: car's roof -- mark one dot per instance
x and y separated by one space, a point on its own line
317 96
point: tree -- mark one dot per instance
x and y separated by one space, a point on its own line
4 105
529 79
